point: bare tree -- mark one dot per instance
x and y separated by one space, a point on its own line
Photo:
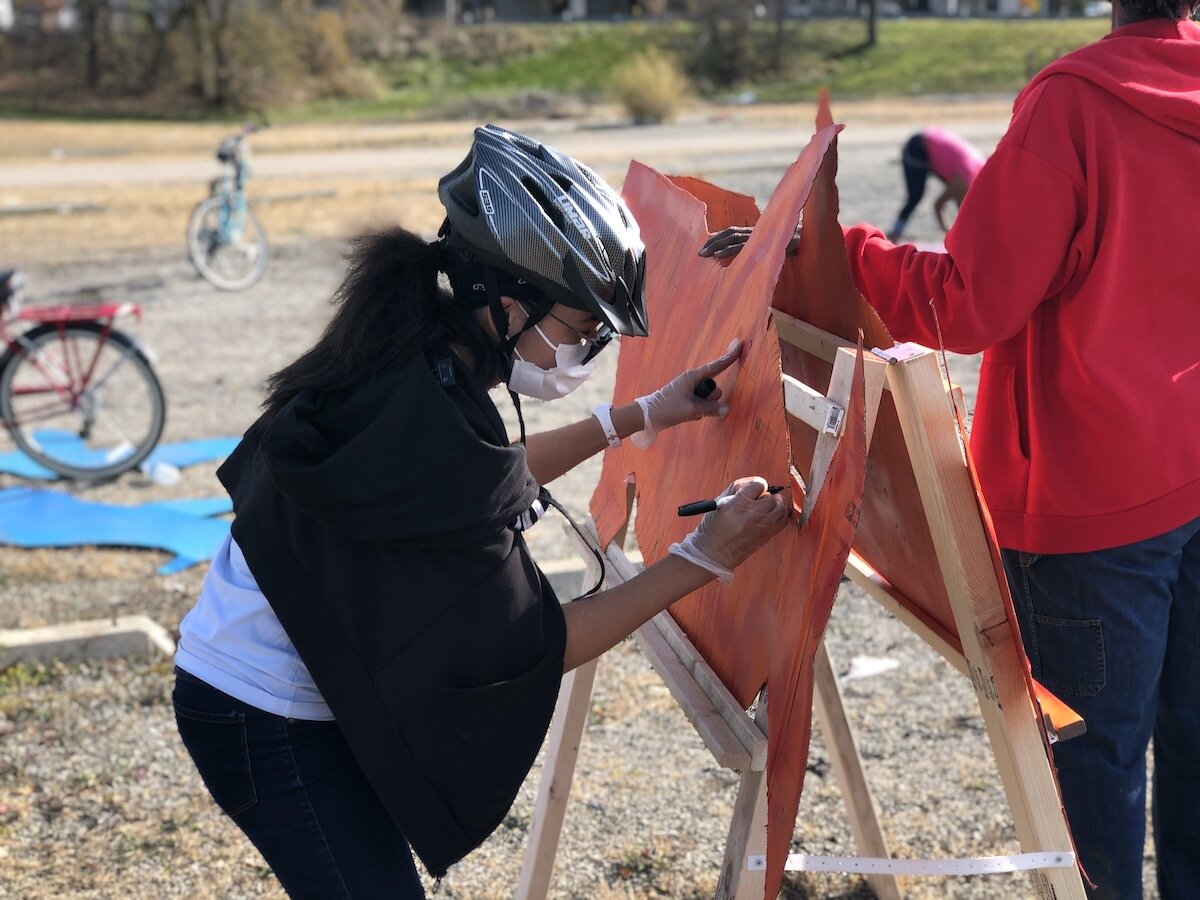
211 33
376 23
95 19
780 40
728 48
161 20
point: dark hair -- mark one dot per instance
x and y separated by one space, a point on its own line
390 307
1161 9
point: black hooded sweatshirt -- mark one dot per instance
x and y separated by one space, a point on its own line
376 520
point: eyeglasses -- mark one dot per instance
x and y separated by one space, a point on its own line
596 340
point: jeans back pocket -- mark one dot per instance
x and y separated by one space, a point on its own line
217 744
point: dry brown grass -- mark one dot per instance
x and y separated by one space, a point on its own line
143 217
34 140
41 566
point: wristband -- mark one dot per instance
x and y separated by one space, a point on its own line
603 414
687 549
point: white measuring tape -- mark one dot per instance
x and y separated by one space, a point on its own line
866 865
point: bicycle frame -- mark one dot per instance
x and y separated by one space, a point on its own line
225 239
72 380
233 217
233 191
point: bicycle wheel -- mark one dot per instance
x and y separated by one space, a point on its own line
81 400
230 255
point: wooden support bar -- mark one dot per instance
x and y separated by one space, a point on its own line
848 768
1013 725
732 749
749 734
879 590
554 790
562 752
874 378
1061 721
618 562
811 407
839 394
721 742
747 830
808 338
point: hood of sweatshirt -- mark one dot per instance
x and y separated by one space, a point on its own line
1153 66
403 458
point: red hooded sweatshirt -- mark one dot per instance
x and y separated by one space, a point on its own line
1075 264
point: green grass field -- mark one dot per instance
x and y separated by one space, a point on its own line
912 57
530 68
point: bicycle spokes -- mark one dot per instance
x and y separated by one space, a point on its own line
226 241
82 399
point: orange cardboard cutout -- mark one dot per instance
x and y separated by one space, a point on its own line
825 542
696 307
765 627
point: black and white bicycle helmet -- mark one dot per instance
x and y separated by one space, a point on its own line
530 210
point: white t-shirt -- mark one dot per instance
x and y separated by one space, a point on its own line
232 640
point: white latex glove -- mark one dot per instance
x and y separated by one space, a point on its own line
676 401
726 537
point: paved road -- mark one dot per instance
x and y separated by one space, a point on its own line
699 146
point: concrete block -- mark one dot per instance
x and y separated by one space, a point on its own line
128 637
568 576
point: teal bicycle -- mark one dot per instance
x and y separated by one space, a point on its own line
226 241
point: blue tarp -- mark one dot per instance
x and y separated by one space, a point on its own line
180 454
35 517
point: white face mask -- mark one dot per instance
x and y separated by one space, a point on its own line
569 371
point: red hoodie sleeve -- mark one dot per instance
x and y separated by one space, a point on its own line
1009 249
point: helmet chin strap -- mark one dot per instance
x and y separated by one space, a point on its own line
508 345
506 348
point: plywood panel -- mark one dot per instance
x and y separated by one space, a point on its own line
766 626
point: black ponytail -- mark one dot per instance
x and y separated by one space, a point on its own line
389 308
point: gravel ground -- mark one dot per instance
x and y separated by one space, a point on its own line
99 799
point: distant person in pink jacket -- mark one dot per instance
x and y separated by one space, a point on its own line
947 156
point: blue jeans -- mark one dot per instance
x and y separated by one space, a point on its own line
1116 634
294 788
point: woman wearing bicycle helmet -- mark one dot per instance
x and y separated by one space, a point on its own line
374 658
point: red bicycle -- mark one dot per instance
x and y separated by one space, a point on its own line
77 395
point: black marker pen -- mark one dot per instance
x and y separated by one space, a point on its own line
706 506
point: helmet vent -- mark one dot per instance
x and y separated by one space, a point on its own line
550 208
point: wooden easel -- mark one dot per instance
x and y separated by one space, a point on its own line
983 650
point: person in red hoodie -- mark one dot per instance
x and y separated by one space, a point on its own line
1072 265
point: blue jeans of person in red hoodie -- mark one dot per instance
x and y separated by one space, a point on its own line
1116 634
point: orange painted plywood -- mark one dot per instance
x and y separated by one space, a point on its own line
765 628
